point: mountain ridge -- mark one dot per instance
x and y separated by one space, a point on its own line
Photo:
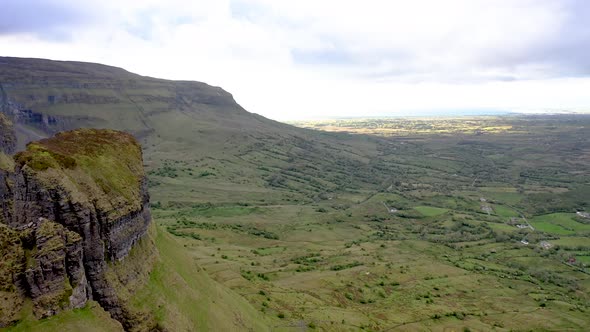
181 120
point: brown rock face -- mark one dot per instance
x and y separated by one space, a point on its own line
91 185
5 193
55 275
11 267
7 136
7 146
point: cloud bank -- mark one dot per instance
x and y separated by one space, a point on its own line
297 59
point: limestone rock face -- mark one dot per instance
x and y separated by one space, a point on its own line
7 146
79 203
5 191
7 136
55 275
11 267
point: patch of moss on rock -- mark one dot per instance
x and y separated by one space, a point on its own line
72 237
6 163
6 168
11 266
51 233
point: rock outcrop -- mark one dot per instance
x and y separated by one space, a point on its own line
7 136
7 146
11 267
78 203
54 274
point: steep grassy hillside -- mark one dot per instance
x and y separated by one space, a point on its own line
91 318
183 297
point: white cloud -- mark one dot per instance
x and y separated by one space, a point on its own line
296 59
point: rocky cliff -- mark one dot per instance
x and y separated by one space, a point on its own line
54 273
7 136
7 146
79 204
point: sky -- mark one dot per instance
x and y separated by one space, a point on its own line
310 59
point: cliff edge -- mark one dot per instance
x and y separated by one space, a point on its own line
73 207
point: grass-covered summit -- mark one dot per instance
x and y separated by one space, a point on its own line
94 165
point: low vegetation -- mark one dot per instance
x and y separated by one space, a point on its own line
465 224
471 229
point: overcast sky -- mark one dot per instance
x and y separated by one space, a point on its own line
326 58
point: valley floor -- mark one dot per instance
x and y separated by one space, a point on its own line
466 231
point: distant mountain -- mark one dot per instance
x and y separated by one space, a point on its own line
46 96
180 121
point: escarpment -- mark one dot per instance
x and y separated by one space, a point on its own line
7 146
7 135
54 274
78 204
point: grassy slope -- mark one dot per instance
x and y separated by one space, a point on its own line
91 318
186 299
183 297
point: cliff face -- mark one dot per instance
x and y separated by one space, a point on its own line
7 136
54 274
7 146
11 268
79 202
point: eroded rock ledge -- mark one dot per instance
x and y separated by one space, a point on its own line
7 136
72 205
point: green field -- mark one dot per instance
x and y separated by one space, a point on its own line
430 211
559 223
573 241
504 211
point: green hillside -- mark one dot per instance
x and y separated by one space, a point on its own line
190 126
421 225
183 297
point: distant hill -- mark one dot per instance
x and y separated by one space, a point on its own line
185 122
47 96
